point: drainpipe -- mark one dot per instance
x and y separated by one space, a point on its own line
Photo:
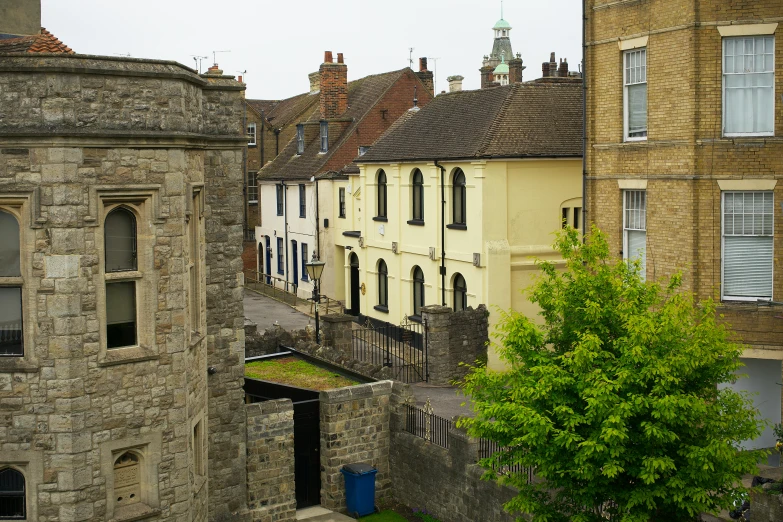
246 175
584 120
262 141
277 142
285 230
317 221
442 232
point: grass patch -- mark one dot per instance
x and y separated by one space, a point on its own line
384 516
296 372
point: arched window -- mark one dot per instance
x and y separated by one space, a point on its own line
460 293
127 480
11 338
382 194
459 198
383 284
12 495
418 196
120 246
418 291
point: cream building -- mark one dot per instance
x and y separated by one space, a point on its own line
454 204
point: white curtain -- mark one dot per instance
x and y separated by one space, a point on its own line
748 71
637 249
637 110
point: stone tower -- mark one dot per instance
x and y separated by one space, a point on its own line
501 53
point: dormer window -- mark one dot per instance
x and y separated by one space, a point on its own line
300 139
324 136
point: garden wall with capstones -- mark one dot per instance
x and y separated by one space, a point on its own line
81 135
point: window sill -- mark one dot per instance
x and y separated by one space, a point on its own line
131 354
634 140
381 218
352 233
457 226
416 222
17 364
749 136
341 217
130 274
255 202
280 273
381 308
134 512
279 214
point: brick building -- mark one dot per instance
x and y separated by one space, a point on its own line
326 137
684 158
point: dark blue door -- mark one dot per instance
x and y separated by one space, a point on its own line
268 260
295 264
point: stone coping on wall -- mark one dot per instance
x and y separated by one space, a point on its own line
361 391
114 66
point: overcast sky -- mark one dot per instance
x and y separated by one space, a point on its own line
279 42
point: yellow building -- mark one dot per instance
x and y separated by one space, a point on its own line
455 202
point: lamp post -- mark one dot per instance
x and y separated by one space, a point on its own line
314 270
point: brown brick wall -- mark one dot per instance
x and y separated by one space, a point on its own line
397 100
685 153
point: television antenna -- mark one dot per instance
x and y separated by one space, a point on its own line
214 57
126 55
410 56
435 74
198 59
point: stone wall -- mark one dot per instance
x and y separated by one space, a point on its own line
454 338
81 135
271 494
445 482
354 428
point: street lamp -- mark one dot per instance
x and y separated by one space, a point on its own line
314 270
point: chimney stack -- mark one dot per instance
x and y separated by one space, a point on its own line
315 82
545 70
552 65
215 70
563 71
455 83
334 86
426 77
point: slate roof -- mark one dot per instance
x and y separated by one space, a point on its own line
363 94
45 42
514 121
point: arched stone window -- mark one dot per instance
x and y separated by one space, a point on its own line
460 293
459 198
417 196
13 503
382 195
11 328
121 277
127 479
383 284
418 291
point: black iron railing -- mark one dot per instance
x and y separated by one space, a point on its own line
250 234
427 425
400 347
487 448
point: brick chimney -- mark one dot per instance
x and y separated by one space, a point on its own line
515 68
426 77
563 71
545 70
215 70
334 86
552 65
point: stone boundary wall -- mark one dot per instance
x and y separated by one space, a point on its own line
445 482
271 489
354 428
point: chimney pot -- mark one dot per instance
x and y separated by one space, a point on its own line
422 64
340 58
328 57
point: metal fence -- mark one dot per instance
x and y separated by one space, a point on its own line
289 293
250 234
400 347
427 425
487 448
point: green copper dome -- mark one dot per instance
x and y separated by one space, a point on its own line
502 24
502 67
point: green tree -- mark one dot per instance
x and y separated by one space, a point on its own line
614 398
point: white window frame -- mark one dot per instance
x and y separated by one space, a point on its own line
723 234
251 134
634 225
324 137
642 52
252 187
723 85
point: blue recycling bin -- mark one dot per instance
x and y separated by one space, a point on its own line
359 488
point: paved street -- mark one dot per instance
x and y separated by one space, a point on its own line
264 311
